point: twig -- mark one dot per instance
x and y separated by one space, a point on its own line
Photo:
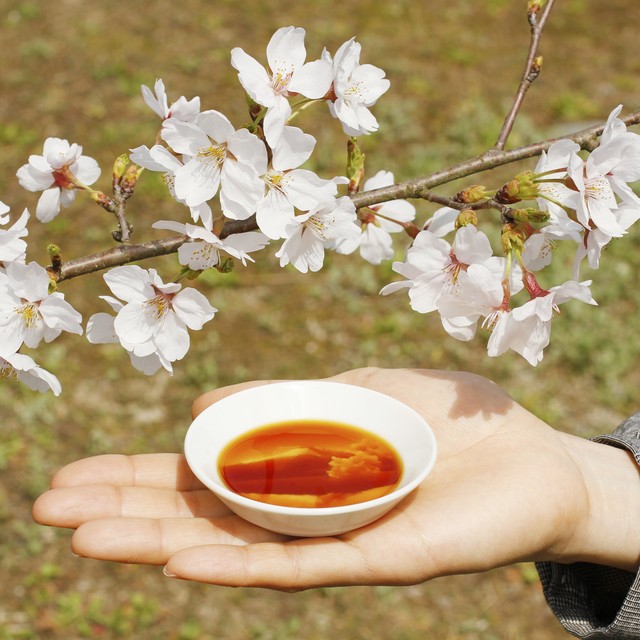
126 253
416 188
490 160
531 71
123 232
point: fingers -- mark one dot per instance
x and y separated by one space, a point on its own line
160 470
72 506
149 541
292 566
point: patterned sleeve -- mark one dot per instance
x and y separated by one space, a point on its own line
590 600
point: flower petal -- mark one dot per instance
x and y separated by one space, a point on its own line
48 205
130 283
192 308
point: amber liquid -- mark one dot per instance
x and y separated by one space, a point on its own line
310 463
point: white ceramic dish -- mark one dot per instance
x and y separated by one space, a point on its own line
375 412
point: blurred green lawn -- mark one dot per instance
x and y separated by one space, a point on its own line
72 69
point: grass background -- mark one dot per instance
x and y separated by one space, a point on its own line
73 68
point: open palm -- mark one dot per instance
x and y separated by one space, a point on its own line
505 488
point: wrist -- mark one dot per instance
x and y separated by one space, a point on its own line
607 531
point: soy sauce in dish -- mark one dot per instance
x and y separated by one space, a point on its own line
310 463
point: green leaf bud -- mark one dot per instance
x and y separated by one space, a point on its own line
522 187
512 238
355 165
119 167
474 193
529 215
466 217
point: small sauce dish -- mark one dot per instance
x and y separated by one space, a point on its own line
383 416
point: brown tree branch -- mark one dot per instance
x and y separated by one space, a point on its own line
491 159
416 188
126 253
531 70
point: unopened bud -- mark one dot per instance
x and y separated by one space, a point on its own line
534 69
512 238
522 187
508 194
529 215
119 167
466 217
54 255
474 193
533 9
355 165
535 215
537 64
130 179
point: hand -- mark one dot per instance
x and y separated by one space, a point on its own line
506 488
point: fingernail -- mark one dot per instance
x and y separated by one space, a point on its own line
168 573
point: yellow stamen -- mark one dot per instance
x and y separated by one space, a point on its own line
214 153
158 306
30 314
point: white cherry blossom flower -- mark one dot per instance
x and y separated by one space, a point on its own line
182 109
375 243
595 240
216 156
527 329
288 74
624 147
12 246
605 175
23 368
28 312
156 316
356 88
204 253
594 201
554 194
433 266
538 248
143 356
309 233
528 337
482 291
442 222
158 158
58 173
288 187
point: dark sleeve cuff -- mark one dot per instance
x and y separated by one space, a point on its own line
590 600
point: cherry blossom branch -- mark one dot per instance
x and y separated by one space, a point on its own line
126 253
531 69
418 188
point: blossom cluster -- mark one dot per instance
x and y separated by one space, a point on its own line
588 202
253 179
253 170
